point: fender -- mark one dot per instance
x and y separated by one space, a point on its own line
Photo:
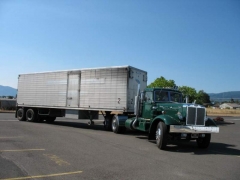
210 122
168 120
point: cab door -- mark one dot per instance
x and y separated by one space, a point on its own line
147 105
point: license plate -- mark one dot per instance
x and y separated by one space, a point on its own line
194 135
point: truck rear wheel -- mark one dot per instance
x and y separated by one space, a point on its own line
21 115
161 135
31 115
203 142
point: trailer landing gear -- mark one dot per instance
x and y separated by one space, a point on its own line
107 121
90 123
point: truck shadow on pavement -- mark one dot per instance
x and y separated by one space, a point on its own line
213 149
225 123
82 125
174 146
98 125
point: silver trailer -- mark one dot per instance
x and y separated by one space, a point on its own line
47 95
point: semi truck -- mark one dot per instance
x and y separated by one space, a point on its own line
121 94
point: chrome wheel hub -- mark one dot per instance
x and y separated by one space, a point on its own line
114 125
158 133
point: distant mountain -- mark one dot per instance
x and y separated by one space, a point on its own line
225 96
7 91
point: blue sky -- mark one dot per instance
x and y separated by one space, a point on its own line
195 43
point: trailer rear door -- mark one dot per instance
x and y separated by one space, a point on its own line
73 90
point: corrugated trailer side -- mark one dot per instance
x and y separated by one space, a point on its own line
42 89
45 96
111 88
104 88
101 88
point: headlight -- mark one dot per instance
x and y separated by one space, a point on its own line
154 107
179 115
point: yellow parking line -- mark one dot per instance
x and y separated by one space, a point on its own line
56 159
10 137
44 176
22 150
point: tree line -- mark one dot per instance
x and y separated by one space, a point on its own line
7 97
200 97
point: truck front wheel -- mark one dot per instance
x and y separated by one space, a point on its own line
161 135
31 115
203 142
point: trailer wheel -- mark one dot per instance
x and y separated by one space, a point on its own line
204 142
31 115
161 135
21 115
50 119
115 126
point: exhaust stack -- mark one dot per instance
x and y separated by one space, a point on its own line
136 106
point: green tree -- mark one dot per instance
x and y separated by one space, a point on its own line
190 92
162 82
202 97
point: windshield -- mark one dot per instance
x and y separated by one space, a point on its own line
167 96
175 96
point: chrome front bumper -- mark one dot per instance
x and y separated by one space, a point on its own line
193 129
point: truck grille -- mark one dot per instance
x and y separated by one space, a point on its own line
195 116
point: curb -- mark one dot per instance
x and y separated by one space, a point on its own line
7 111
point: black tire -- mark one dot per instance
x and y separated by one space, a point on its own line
50 119
161 135
204 142
31 116
108 123
115 126
21 115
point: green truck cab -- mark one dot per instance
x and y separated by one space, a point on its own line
162 113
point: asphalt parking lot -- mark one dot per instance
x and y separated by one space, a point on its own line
70 149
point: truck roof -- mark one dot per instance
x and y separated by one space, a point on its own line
85 69
162 88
